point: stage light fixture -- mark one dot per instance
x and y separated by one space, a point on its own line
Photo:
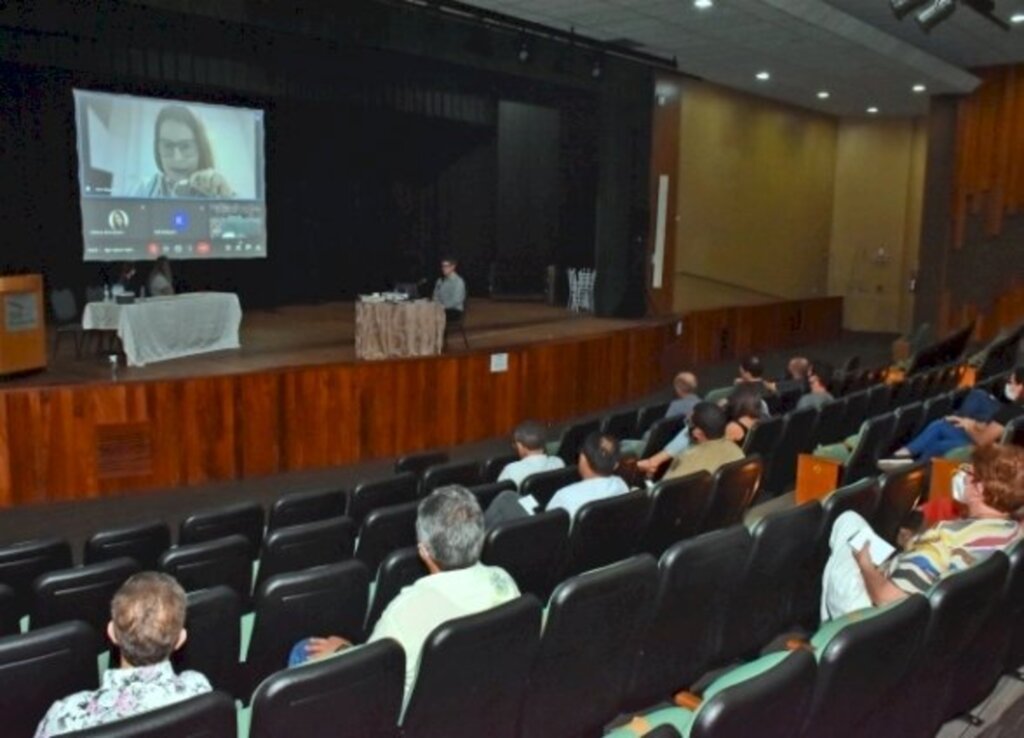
872 110
1017 18
935 13
824 95
763 76
703 4
919 88
901 8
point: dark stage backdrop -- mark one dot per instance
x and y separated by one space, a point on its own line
394 136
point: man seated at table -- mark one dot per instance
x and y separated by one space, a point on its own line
528 439
599 455
450 290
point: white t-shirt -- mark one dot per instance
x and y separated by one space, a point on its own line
575 496
517 471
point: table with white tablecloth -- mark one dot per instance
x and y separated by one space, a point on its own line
395 329
161 328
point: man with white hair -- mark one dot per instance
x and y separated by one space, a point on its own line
450 536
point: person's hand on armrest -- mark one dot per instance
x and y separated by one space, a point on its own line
880 589
318 648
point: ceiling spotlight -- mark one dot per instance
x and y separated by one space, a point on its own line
763 76
872 110
935 13
900 8
919 88
824 95
1017 18
524 52
703 4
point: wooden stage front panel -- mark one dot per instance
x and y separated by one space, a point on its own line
91 439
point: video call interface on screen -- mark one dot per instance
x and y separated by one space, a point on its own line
168 178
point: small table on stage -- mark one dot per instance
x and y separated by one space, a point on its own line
395 329
161 328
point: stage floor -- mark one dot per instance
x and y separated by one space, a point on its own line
304 335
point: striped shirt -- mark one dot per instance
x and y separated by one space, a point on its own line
950 547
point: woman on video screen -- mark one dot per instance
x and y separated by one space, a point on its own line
184 157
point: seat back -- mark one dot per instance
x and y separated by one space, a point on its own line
299 547
22 563
594 625
936 408
326 600
1014 432
683 640
873 442
619 425
763 438
9 618
306 507
481 660
419 463
879 399
900 492
492 466
40 667
861 662
606 531
1014 598
485 493
733 488
855 413
144 543
204 565
212 620
662 432
372 495
908 420
775 700
466 473
399 569
676 511
244 519
648 415
64 306
364 689
572 440
83 593
766 605
795 439
831 425
531 549
385 530
543 485
209 715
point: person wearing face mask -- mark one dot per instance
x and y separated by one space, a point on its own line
709 448
979 422
990 491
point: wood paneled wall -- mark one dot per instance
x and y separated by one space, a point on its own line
90 440
989 177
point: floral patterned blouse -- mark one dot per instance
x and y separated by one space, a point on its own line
124 693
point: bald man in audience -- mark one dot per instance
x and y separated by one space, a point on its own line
685 385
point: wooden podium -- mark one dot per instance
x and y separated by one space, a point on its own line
22 324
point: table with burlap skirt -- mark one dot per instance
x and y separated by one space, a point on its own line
386 330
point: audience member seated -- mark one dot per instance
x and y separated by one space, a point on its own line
450 536
709 448
818 377
128 280
598 458
529 441
450 290
860 573
980 421
745 408
796 375
751 373
147 618
685 386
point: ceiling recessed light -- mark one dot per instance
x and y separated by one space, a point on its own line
824 95
872 110
919 88
1017 18
703 4
763 76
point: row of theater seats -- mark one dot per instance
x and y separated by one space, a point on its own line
614 640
